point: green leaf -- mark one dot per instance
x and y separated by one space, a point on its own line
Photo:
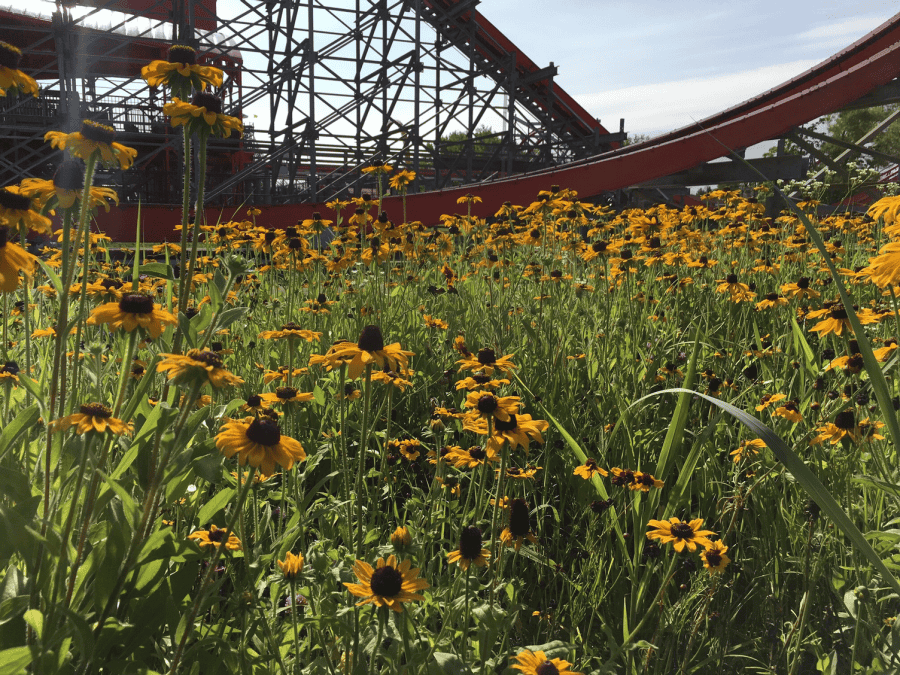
214 505
318 395
35 619
804 476
18 425
13 661
159 270
55 281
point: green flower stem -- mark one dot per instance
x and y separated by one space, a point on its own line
26 310
126 371
207 577
294 625
342 445
363 443
199 213
465 625
185 218
381 612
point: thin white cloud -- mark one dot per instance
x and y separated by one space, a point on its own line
657 108
852 27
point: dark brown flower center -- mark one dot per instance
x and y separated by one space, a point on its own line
110 283
15 202
646 479
731 279
386 582
599 246
682 531
500 425
264 432
803 282
136 303
546 668
69 176
212 103
286 393
182 54
99 133
487 404
519 524
713 557
771 296
254 400
845 420
486 356
9 56
4 233
838 313
216 536
477 453
470 543
95 410
370 339
207 358
217 346
137 370
10 367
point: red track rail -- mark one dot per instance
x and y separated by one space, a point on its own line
870 62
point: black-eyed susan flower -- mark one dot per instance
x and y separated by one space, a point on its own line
769 399
389 584
259 443
214 537
486 361
369 349
93 417
197 367
94 138
519 431
181 73
291 331
747 448
590 469
484 405
401 180
134 310
737 291
285 395
16 211
9 373
377 169
519 527
291 566
13 80
401 538
13 260
203 116
799 289
714 558
480 381
66 188
684 535
470 551
644 481
392 378
844 426
410 448
789 411
537 663
470 458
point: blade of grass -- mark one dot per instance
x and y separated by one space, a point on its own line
803 475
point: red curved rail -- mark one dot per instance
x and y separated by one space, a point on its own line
841 79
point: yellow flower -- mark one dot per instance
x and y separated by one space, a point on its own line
537 663
291 566
132 311
94 417
203 116
13 259
15 211
388 585
94 138
714 558
197 366
369 349
590 469
747 447
259 442
214 538
401 179
13 80
470 551
519 527
685 535
180 73
378 169
67 186
401 538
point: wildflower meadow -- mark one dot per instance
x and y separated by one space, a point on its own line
560 439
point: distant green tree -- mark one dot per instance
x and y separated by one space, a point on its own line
635 138
850 126
485 141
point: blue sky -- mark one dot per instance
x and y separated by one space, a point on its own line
660 63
